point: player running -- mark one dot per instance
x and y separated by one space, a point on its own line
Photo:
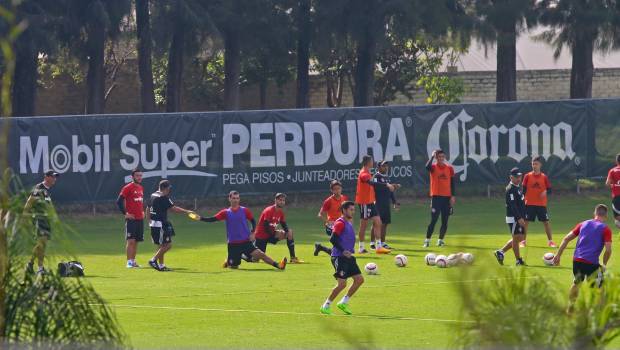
613 181
384 199
161 229
592 236
239 235
267 230
536 188
442 186
365 198
130 203
330 212
515 217
39 203
343 240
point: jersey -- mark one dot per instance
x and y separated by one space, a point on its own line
42 200
614 178
345 234
237 230
592 236
515 204
365 193
272 217
158 208
533 186
383 195
331 206
133 194
441 180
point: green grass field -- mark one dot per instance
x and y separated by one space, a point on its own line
200 304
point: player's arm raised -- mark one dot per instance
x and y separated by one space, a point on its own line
429 164
569 237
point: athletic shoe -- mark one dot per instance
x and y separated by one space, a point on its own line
317 249
499 255
522 244
154 264
520 262
372 245
386 246
427 243
134 264
345 308
552 244
441 243
129 265
382 250
246 258
225 264
362 251
326 310
165 269
282 264
296 260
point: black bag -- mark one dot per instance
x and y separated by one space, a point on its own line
71 269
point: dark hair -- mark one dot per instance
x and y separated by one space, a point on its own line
346 205
439 151
163 184
366 159
232 193
334 183
135 170
601 210
280 195
618 158
538 159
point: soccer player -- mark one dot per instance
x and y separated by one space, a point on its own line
384 199
365 198
613 181
515 217
592 236
161 229
239 235
442 186
330 212
131 203
39 202
536 188
267 230
343 240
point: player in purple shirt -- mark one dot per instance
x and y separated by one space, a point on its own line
592 236
343 240
238 234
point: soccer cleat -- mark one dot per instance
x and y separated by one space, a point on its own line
129 265
386 246
441 243
372 245
134 264
382 250
154 264
225 264
165 269
326 310
362 251
520 262
296 260
552 244
522 244
345 308
317 249
499 255
282 264
427 243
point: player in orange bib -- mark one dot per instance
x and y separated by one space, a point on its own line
330 212
442 195
536 187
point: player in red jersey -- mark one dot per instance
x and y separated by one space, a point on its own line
613 181
272 228
330 212
537 188
131 203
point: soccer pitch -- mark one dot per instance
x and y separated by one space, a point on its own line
200 304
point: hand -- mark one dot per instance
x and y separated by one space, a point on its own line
129 216
347 253
521 222
556 260
280 234
252 236
329 223
543 194
390 187
452 201
434 154
396 186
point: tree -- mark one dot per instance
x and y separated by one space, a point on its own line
304 36
500 22
145 67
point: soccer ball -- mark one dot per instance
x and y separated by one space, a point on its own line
467 258
441 261
430 259
400 260
371 268
452 259
548 259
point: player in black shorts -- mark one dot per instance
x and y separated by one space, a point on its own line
40 204
515 217
161 228
384 199
613 181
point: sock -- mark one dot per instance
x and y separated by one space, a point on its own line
361 245
291 247
275 264
327 303
161 266
345 299
152 259
129 261
378 244
426 240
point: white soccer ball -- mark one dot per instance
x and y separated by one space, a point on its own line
441 261
371 268
548 259
430 259
400 260
453 259
467 258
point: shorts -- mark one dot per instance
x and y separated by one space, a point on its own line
515 228
367 211
235 250
345 267
42 228
162 235
134 229
262 243
385 213
582 270
615 206
532 212
441 204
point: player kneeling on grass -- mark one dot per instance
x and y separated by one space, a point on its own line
268 230
343 240
161 229
239 235
592 235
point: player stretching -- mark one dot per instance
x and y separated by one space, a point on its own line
384 199
39 203
130 203
343 239
365 198
239 235
613 181
592 236
442 195
267 230
161 229
515 217
330 212
536 188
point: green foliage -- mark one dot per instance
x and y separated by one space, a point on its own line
442 88
208 84
160 71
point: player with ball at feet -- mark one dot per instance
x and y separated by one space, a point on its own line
343 240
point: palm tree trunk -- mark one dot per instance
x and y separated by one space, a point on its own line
507 65
175 64
145 68
582 69
232 68
303 55
95 78
25 78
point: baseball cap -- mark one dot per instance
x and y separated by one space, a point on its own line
515 172
382 163
52 173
